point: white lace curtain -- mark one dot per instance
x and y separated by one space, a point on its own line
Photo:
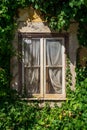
32 62
32 65
54 58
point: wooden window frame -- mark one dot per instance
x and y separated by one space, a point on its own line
63 36
62 67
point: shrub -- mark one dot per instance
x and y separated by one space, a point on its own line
3 78
3 82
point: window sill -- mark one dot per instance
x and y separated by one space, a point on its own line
44 99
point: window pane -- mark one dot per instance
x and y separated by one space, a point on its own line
31 66
53 52
32 52
53 72
32 81
54 81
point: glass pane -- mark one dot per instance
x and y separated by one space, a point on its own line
31 66
32 81
53 52
53 81
53 72
32 52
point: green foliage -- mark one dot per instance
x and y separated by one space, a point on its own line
6 93
18 115
68 75
3 79
81 73
3 82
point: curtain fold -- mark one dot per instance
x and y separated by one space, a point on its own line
54 58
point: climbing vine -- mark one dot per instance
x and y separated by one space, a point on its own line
68 75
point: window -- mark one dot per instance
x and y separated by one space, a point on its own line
43 67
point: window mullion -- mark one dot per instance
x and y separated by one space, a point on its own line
63 67
44 67
23 66
41 66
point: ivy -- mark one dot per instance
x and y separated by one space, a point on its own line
72 115
68 77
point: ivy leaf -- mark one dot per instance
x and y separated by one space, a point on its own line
33 1
1 12
71 4
36 6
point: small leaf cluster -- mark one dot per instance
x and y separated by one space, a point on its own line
17 116
68 74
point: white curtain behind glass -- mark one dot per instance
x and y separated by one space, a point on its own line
54 58
32 62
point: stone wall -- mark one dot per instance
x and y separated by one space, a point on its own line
82 56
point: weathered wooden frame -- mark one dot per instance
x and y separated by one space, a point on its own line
64 37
